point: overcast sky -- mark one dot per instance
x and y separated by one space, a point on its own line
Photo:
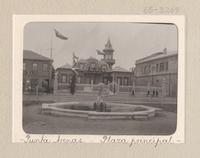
130 41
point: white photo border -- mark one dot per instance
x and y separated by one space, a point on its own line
19 21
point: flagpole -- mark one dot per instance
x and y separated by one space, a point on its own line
51 45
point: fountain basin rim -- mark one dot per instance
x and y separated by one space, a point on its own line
53 108
102 113
110 103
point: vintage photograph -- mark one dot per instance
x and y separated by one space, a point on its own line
100 78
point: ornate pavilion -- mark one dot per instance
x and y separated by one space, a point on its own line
94 71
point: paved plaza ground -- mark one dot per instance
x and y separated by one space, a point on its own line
37 123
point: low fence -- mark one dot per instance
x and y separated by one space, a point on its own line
136 90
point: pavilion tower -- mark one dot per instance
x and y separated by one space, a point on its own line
108 54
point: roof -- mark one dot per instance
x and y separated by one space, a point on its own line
66 66
119 69
29 54
155 56
82 61
87 60
101 62
92 59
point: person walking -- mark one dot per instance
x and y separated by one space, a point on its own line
73 84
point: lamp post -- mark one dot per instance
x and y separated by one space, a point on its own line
55 83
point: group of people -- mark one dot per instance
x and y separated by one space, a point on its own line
153 93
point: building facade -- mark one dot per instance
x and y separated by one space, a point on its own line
37 72
158 72
92 71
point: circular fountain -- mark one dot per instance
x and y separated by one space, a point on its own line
99 109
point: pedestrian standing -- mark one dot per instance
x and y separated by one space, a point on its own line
73 84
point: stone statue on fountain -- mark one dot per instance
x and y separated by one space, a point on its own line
99 105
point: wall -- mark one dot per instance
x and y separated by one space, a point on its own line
37 77
158 78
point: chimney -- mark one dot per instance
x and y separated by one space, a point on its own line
165 50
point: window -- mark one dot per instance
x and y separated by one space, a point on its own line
33 84
91 81
35 66
24 66
162 67
142 70
103 68
119 81
93 65
45 84
45 67
108 56
70 79
153 68
126 81
105 80
157 67
64 79
147 69
166 66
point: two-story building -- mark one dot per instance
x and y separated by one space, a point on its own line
158 70
92 71
37 72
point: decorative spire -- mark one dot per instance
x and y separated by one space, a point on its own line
108 54
108 45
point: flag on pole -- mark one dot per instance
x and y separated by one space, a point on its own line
60 36
99 52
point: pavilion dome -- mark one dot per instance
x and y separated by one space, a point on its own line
92 64
92 59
